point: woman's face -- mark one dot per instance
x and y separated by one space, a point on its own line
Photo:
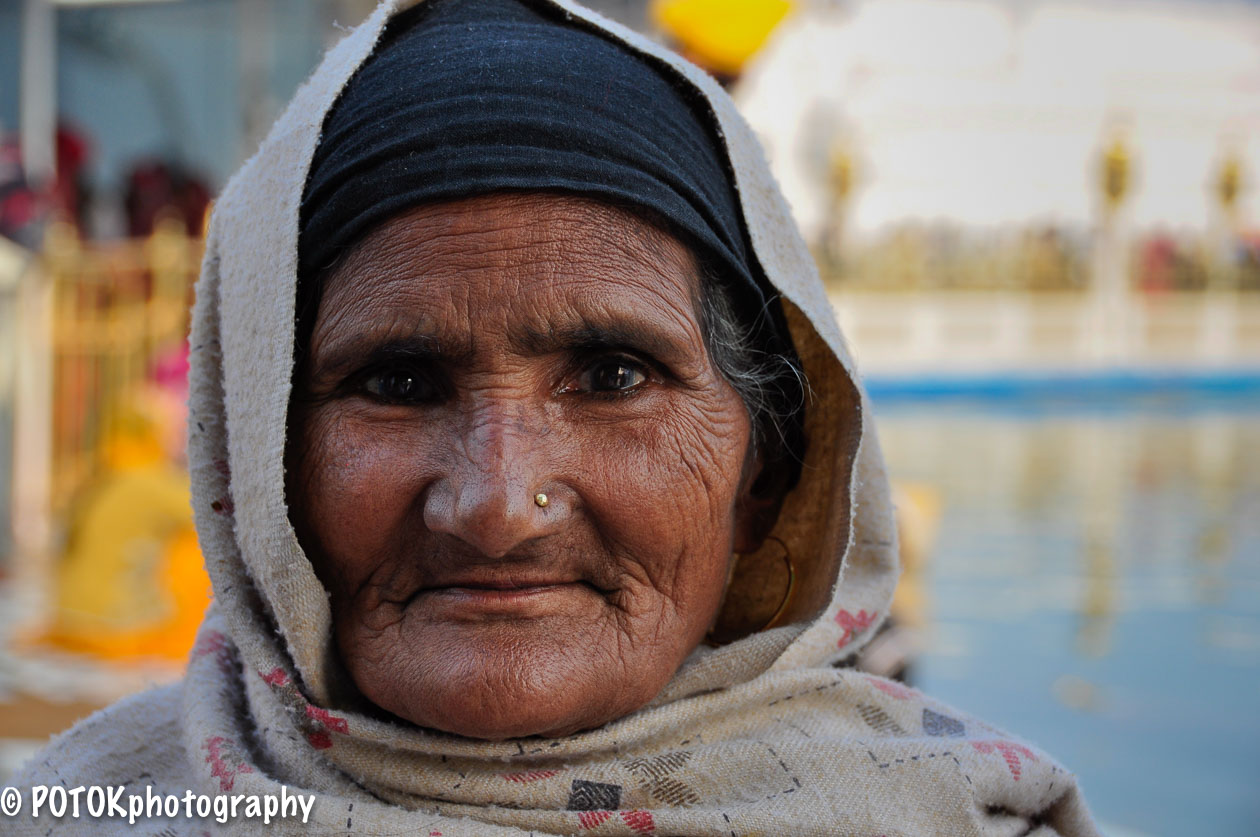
466 357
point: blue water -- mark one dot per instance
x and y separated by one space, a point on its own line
1123 388
1094 586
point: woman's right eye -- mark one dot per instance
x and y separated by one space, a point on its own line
400 386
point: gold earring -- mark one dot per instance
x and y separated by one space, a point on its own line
745 597
791 586
541 500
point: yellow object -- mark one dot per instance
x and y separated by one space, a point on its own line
840 172
918 521
131 582
1229 181
719 35
1115 172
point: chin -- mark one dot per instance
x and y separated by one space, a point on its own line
523 687
510 722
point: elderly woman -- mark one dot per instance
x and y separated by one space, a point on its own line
533 477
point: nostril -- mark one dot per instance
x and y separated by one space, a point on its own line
493 493
439 508
494 516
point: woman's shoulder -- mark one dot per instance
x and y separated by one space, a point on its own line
137 741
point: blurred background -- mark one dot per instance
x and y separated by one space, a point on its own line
1039 225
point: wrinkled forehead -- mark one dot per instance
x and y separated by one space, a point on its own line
523 232
559 260
526 274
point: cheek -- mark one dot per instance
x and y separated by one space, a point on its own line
664 489
351 489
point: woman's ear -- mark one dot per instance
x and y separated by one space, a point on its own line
757 508
758 587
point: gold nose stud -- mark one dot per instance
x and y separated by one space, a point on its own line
541 501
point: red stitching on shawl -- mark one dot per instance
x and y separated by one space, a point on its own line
275 678
211 643
593 819
893 690
329 720
319 738
317 723
530 776
640 821
216 643
1010 752
852 624
219 767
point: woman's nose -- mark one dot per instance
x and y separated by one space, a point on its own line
487 495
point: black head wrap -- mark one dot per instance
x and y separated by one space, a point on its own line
465 97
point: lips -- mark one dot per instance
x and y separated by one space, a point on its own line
502 583
498 593
466 599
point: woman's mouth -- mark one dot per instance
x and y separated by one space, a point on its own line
469 598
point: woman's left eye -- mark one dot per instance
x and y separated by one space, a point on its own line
611 376
400 386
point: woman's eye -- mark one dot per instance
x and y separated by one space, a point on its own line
613 376
399 386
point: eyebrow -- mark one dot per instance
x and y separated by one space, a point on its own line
368 349
599 336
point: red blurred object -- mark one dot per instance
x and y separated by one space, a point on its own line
67 194
1159 264
18 205
23 207
156 188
